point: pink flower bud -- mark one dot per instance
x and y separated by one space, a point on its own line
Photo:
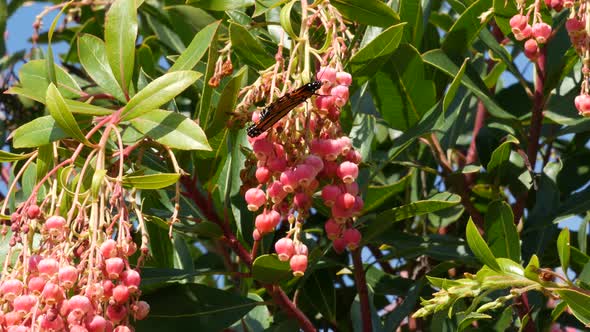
541 32
24 303
345 201
262 149
348 171
575 25
131 279
33 211
352 237
11 288
343 78
113 267
52 294
327 75
289 181
341 94
116 313
304 174
108 249
277 164
582 103
142 309
48 267
36 285
256 235
121 293
330 194
531 49
302 201
324 103
68 275
79 306
519 22
332 229
55 226
96 323
276 192
524 33
339 245
284 248
263 174
255 198
298 264
315 162
49 322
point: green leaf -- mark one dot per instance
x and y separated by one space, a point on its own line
248 48
479 247
578 303
318 291
221 5
120 34
151 181
207 229
501 231
563 249
62 115
410 11
285 18
8 157
377 195
159 92
386 219
501 154
33 79
466 28
454 86
401 92
369 12
189 58
470 318
369 59
75 106
50 61
269 269
440 60
227 101
172 129
202 308
38 132
44 161
93 57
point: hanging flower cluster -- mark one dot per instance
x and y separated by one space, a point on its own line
535 33
306 152
68 263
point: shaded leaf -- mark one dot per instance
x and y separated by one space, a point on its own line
151 181
269 269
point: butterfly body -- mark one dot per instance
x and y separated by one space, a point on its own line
280 107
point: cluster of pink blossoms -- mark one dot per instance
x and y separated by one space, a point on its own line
56 290
576 29
291 168
535 35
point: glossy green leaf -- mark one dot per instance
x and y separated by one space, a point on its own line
8 157
467 27
76 107
386 219
120 34
221 5
369 12
196 49
454 86
501 154
369 59
402 94
50 60
410 11
33 79
172 129
93 57
40 131
269 269
151 181
227 101
63 117
501 233
578 303
480 248
197 306
285 18
159 92
470 318
440 60
563 248
249 48
377 195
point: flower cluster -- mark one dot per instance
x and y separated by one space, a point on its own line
76 278
534 35
293 166
578 33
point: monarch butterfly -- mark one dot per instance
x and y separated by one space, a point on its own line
280 107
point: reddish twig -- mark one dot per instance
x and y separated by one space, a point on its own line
281 299
363 291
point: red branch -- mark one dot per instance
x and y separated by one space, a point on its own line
361 286
205 204
536 122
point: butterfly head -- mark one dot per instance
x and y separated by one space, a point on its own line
314 86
